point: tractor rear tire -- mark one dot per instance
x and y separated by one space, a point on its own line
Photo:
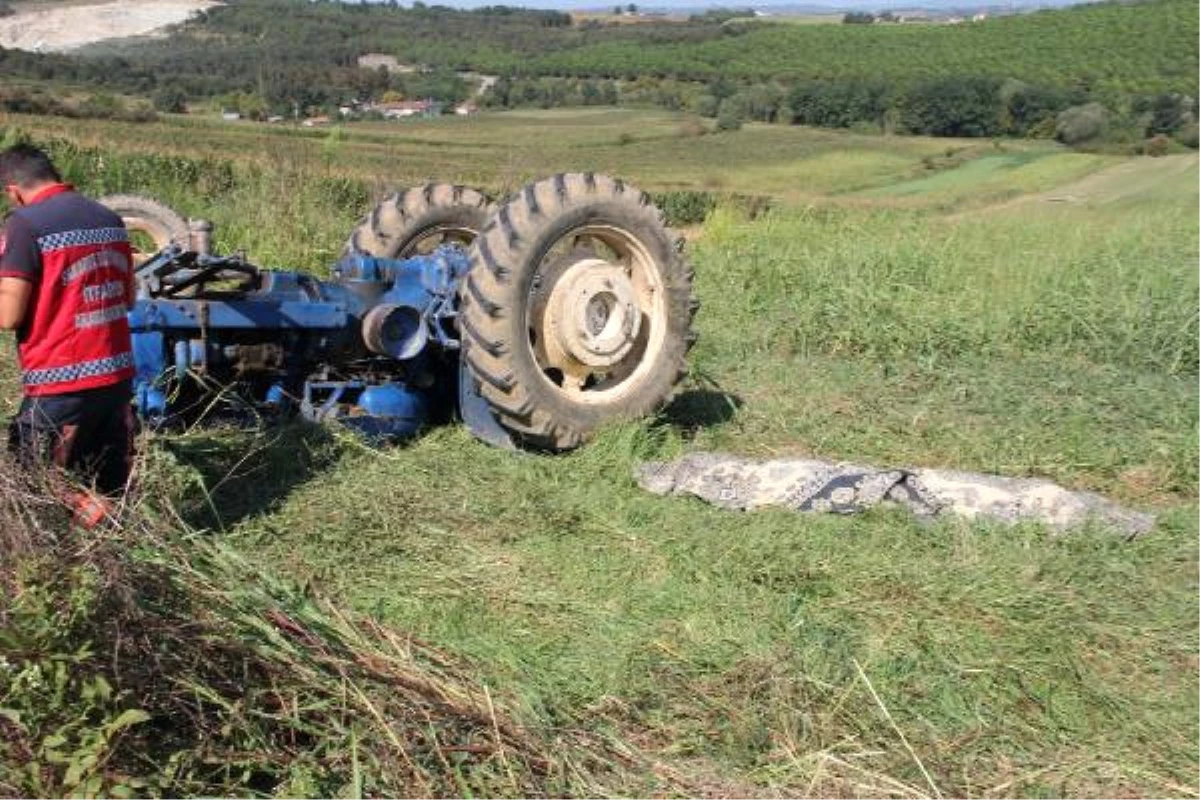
161 224
577 310
415 221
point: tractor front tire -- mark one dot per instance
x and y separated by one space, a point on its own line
161 224
577 310
415 221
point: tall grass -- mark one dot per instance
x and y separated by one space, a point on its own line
899 286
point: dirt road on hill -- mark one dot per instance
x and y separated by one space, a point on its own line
66 26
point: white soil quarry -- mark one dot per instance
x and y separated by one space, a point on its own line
66 26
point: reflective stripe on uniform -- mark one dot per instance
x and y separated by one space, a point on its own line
91 236
74 372
103 316
94 261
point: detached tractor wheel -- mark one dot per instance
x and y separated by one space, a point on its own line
415 221
152 225
577 309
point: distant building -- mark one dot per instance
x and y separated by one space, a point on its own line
230 116
407 108
390 63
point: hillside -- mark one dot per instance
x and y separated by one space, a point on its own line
1128 70
1113 48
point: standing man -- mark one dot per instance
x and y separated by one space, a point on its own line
66 284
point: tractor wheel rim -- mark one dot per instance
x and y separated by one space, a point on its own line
437 236
603 323
593 314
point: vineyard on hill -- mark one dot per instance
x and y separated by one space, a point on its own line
1112 49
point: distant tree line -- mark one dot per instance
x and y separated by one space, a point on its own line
953 106
867 18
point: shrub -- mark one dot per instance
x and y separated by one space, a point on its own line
170 101
691 127
1029 110
1080 124
840 104
1157 145
959 106
1166 113
685 207
730 115
1189 136
707 105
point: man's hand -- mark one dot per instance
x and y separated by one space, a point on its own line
14 301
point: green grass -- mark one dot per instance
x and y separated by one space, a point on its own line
804 655
991 178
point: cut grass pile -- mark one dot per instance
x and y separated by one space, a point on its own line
775 653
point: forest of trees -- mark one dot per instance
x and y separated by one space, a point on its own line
1113 69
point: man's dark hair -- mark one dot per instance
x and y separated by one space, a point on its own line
26 165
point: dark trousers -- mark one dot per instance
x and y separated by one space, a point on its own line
89 434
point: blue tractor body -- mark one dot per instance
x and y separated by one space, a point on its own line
535 322
375 347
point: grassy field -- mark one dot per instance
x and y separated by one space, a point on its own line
1022 310
499 152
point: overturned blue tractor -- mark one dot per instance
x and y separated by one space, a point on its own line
535 322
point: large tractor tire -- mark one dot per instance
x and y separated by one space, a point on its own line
153 225
577 310
415 221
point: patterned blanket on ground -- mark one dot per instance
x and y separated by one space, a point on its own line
820 486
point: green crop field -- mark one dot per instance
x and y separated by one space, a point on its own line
1016 309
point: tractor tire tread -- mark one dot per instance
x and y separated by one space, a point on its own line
396 224
159 221
493 312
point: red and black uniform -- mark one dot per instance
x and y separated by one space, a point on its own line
74 344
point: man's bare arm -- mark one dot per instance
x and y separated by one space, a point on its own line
14 302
